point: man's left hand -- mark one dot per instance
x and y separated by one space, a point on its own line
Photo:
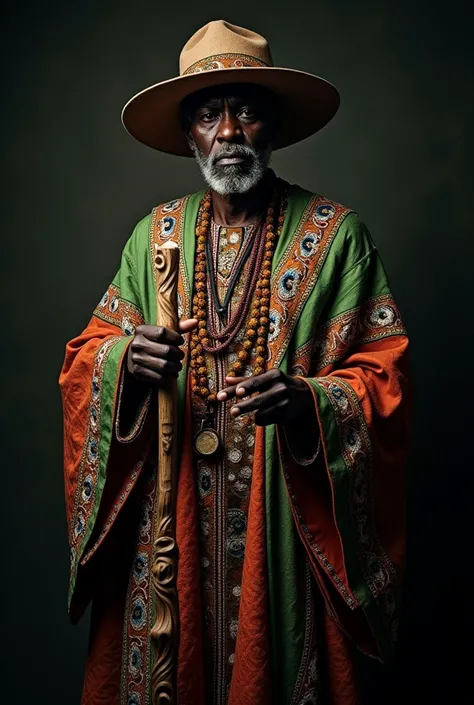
278 398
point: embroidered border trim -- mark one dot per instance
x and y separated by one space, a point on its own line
299 268
139 420
114 512
121 313
138 618
377 318
84 502
301 360
377 568
319 555
225 61
307 684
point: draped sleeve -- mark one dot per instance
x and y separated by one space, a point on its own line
104 448
349 503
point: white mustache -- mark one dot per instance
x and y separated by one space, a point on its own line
229 153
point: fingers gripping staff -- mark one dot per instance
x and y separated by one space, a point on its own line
154 355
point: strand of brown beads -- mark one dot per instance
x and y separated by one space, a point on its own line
259 322
199 378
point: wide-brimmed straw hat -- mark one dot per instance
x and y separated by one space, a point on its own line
221 53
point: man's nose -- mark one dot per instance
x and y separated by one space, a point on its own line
229 128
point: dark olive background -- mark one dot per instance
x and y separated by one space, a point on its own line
75 184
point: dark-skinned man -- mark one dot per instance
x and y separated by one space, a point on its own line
293 394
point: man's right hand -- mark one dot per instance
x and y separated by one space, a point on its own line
154 355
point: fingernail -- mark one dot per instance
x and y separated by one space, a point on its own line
235 411
222 396
240 390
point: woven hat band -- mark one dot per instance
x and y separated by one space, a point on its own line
225 61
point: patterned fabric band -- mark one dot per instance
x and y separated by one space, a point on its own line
225 61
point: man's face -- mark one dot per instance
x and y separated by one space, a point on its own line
230 134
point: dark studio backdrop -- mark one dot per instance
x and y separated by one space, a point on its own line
76 184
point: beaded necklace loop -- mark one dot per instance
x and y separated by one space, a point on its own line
230 331
258 284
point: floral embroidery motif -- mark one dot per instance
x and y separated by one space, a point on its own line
121 313
166 226
298 269
275 325
236 530
323 212
204 481
87 489
89 467
289 283
234 455
310 243
140 568
138 615
171 206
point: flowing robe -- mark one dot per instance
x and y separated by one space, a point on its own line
309 563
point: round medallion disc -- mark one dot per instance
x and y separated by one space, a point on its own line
207 442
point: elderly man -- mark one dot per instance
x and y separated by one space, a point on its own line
291 360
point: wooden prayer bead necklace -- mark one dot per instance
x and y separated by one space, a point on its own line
258 325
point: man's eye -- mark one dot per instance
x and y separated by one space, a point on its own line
207 117
247 113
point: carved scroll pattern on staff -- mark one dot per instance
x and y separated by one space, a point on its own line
165 631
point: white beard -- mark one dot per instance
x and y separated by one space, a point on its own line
233 178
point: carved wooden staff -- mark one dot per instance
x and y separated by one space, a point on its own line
165 631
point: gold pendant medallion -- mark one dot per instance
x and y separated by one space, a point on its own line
207 442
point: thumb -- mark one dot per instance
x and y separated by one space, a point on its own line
187 325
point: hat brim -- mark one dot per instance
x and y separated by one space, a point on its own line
308 103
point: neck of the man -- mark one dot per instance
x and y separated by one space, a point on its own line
239 209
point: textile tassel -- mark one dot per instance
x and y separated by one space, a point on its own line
165 631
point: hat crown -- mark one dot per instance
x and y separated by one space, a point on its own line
219 38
